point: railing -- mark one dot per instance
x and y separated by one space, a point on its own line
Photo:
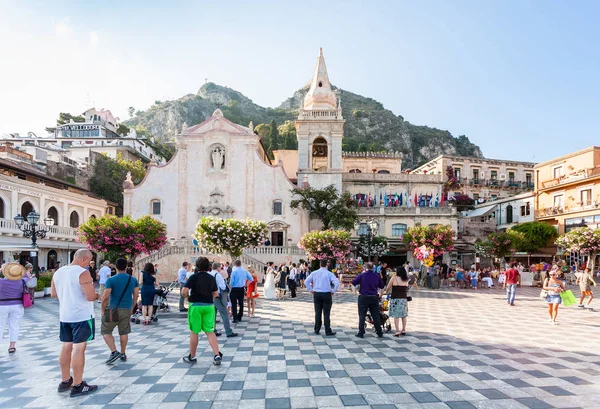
553 211
8 226
497 183
401 210
286 250
309 114
391 177
571 177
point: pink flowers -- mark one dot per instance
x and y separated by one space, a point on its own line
326 244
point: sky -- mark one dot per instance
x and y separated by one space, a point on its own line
519 78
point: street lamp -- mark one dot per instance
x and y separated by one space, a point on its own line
32 230
368 235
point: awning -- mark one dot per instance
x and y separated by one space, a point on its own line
24 244
480 211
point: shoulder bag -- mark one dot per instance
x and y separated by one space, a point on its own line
32 282
112 314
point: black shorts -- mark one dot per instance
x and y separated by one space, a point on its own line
78 332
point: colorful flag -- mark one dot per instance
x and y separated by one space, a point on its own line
416 201
437 200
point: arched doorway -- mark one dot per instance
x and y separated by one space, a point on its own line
26 208
51 263
319 155
53 214
2 214
74 219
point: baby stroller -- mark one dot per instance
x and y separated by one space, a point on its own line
384 319
160 303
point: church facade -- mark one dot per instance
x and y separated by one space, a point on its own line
221 169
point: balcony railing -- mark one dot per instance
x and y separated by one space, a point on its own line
9 227
577 175
391 177
497 183
408 211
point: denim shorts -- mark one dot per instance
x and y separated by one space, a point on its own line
553 299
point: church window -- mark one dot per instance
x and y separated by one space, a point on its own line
320 84
355 171
155 207
277 208
383 172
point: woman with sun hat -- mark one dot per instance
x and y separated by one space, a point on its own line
11 301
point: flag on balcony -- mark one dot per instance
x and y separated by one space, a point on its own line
380 197
385 200
416 201
405 198
437 200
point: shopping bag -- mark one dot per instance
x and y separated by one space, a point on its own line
568 298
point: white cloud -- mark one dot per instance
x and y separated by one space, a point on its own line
94 38
63 28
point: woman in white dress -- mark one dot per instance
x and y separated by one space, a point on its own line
269 288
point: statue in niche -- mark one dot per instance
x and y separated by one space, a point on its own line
218 158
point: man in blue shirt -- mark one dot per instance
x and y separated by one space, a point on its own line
221 301
319 283
182 279
120 293
237 281
370 283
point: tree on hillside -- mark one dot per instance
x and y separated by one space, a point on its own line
536 235
65 118
287 134
123 130
274 136
109 175
334 210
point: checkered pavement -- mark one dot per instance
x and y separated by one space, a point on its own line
464 349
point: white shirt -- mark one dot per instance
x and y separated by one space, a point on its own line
219 278
73 305
293 272
104 274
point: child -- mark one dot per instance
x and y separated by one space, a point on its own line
584 280
502 277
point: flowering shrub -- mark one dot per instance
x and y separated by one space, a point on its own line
123 236
500 244
230 235
583 240
425 255
436 239
452 182
326 244
376 247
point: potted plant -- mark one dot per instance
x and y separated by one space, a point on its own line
39 288
47 285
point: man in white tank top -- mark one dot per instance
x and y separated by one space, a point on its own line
73 287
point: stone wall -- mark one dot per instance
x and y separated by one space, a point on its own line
69 173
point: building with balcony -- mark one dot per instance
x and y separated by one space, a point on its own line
567 190
23 189
485 179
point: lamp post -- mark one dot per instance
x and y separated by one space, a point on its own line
31 229
369 234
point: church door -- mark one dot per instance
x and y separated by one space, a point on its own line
277 238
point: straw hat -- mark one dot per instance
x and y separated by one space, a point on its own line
13 271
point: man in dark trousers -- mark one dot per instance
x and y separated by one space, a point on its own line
319 283
370 282
237 281
291 280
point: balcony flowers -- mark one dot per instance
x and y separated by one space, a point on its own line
123 236
230 236
326 245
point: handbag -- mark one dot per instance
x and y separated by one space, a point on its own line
112 314
32 283
543 294
27 301
568 298
408 298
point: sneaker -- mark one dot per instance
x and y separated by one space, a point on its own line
581 306
123 358
82 389
359 335
218 359
113 357
188 359
65 386
233 334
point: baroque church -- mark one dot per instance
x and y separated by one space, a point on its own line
221 169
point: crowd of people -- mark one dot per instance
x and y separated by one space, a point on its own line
214 288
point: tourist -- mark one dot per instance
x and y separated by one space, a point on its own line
486 278
221 301
554 287
502 277
303 274
512 279
11 302
129 269
155 268
181 279
103 275
291 280
73 286
148 292
370 283
31 281
444 275
200 290
119 294
238 279
281 281
269 288
93 271
320 282
252 292
585 281
398 308
473 276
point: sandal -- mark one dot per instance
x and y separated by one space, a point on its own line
403 333
12 350
397 334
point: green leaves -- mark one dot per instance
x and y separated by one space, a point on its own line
230 236
334 210
535 236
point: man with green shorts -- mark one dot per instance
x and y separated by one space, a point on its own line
200 290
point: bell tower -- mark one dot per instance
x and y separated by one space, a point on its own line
320 129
